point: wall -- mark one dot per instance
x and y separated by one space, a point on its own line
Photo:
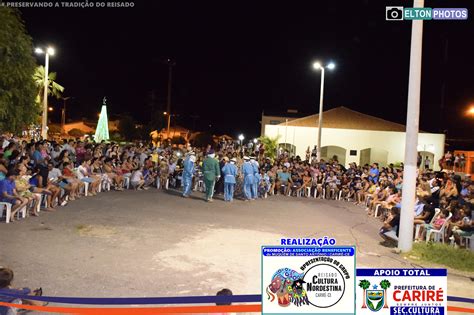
272 120
392 142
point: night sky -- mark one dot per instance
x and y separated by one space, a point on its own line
237 58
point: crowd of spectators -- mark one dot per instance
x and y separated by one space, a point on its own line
48 174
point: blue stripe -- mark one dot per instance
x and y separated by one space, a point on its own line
145 300
249 298
460 299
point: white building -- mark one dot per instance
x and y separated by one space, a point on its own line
355 137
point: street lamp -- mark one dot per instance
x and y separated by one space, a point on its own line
470 111
241 138
50 109
255 140
319 66
44 121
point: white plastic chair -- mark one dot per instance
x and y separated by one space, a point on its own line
8 207
417 227
308 192
126 182
438 234
340 195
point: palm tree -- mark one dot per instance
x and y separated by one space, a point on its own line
385 284
270 145
54 89
364 284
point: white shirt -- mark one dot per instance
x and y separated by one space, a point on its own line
137 176
81 170
54 174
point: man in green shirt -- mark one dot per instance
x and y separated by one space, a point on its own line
211 172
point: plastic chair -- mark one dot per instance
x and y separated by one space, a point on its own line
126 182
8 207
417 227
308 192
438 234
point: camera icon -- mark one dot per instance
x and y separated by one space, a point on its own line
394 13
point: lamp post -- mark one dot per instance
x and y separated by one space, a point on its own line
170 64
405 239
319 66
44 120
63 111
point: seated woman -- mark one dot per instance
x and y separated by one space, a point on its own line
68 174
36 186
84 174
23 188
436 225
117 180
389 230
307 183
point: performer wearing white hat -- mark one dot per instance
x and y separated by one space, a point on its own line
229 172
249 178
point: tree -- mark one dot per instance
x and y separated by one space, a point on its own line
270 145
17 65
385 284
178 140
202 139
364 284
77 133
127 128
54 88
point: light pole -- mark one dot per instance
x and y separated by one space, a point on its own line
318 66
170 63
63 111
44 120
405 239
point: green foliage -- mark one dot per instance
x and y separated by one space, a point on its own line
127 128
443 254
202 139
364 284
178 140
54 88
379 304
76 133
270 145
116 136
385 284
17 66
370 304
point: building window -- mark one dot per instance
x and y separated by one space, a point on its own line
353 152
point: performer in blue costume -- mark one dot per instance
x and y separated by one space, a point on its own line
256 180
188 173
229 172
248 172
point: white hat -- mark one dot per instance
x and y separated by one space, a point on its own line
246 158
233 160
191 153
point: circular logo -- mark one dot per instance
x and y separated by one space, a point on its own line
325 285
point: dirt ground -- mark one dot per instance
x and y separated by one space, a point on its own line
155 243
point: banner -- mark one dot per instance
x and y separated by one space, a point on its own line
308 279
401 291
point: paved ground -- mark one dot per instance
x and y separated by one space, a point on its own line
154 243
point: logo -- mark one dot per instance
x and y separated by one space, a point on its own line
374 299
322 285
394 13
287 285
401 13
